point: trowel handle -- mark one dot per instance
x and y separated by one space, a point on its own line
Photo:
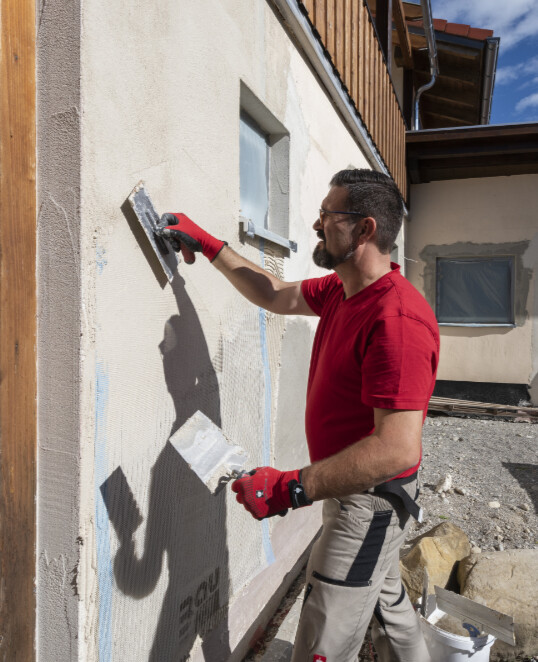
282 513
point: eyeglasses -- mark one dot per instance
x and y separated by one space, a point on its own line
324 212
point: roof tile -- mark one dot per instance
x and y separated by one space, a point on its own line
457 29
479 33
439 24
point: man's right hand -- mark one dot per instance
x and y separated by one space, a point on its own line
185 236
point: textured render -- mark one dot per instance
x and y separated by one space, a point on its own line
489 216
59 329
166 569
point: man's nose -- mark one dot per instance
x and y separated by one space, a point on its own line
318 225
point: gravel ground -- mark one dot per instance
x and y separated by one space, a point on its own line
493 466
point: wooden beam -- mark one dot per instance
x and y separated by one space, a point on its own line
398 14
408 97
330 39
355 52
17 329
320 19
309 5
340 37
348 55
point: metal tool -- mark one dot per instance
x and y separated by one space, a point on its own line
208 453
476 617
149 220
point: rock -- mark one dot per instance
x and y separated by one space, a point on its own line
438 550
524 506
494 504
444 484
460 490
508 582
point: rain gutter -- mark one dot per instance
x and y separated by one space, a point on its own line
490 67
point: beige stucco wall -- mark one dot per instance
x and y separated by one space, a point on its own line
485 216
152 91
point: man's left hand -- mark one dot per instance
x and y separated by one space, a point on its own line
265 492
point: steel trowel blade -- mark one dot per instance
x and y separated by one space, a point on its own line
206 450
149 219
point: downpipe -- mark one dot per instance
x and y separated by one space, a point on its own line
432 52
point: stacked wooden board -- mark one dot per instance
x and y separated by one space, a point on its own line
482 408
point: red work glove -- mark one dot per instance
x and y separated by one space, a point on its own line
266 492
185 236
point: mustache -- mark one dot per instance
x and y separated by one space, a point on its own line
321 234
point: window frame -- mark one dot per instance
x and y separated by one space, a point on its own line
278 143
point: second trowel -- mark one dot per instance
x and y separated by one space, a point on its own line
208 453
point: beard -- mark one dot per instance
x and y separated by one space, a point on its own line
326 260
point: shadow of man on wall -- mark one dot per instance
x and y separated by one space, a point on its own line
184 519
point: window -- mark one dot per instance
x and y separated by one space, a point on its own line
475 291
263 172
254 172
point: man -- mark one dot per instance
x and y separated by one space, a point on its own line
372 373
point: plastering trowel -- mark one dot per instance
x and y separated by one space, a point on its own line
149 220
208 453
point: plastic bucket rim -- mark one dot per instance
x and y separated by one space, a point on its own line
474 644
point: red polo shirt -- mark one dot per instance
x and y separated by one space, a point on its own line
377 349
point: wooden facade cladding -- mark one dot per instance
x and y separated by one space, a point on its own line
18 412
349 38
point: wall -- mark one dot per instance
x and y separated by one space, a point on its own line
140 560
485 216
61 325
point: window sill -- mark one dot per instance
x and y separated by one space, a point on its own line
252 230
470 324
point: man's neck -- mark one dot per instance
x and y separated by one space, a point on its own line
360 271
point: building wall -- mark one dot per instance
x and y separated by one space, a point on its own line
140 559
481 217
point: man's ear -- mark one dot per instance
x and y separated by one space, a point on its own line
368 229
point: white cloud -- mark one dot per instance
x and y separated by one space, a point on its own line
527 102
512 20
520 70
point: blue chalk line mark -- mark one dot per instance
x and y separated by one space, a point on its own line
104 556
266 444
100 259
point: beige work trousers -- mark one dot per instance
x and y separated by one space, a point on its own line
353 572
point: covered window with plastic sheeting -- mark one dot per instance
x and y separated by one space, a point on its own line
475 291
254 172
264 163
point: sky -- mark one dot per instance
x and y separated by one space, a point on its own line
515 96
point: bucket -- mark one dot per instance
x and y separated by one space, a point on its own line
447 647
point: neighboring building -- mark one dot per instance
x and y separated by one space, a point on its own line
236 112
472 246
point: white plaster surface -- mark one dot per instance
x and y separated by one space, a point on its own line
493 211
164 568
